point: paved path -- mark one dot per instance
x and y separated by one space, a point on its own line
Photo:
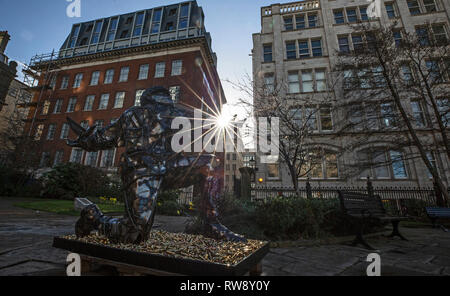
26 237
426 253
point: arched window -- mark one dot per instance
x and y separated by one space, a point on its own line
381 163
320 163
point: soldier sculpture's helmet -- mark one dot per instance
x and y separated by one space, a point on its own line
156 95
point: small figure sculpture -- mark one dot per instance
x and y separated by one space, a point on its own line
147 166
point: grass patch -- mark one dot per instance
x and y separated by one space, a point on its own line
64 207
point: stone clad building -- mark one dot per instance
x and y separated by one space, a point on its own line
12 93
299 44
104 66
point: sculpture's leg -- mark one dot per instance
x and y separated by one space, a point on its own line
142 208
211 194
134 227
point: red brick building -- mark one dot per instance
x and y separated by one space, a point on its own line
105 65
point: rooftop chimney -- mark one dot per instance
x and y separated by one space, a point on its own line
4 39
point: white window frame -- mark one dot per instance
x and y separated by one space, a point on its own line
177 67
160 69
119 96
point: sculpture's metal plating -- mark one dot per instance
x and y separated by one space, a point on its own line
147 166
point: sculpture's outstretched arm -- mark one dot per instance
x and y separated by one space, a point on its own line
94 138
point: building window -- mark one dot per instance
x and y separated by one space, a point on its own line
431 157
96 34
267 53
320 164
316 46
390 10
378 77
65 82
89 104
46 107
143 72
358 44
73 39
383 164
156 21
326 123
303 49
439 34
398 165
397 37
300 21
339 16
58 106
418 113
175 93
76 156
45 160
184 14
444 110
406 75
434 74
91 159
422 34
107 160
311 118
58 157
112 29
39 130
95 77
138 24
288 25
363 13
273 171
109 76
429 5
351 15
269 83
51 131
343 44
104 99
77 81
294 83
160 68
296 117
312 20
177 67
321 83
120 97
137 100
124 74
307 81
413 6
291 50
71 105
64 131
53 81
388 116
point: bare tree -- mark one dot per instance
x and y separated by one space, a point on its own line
385 71
298 119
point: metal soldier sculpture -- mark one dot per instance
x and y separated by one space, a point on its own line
147 166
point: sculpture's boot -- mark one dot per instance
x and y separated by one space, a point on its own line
90 219
216 228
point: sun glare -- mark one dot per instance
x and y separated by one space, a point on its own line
223 121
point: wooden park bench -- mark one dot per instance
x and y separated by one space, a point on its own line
361 209
435 213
